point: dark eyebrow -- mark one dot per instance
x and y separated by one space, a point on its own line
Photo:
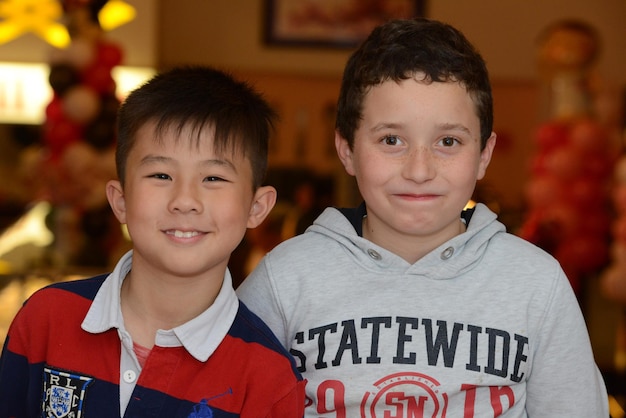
220 163
151 158
385 125
454 127
443 126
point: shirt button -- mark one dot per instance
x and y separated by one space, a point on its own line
129 376
447 253
374 254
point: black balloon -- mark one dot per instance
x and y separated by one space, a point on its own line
62 77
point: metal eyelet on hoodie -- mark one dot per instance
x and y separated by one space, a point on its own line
447 253
374 254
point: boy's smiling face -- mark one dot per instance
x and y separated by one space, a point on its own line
416 159
186 208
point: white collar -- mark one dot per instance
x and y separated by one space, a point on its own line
200 336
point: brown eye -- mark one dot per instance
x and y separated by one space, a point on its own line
391 140
161 176
448 141
213 178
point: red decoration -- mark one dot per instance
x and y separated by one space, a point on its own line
82 111
568 195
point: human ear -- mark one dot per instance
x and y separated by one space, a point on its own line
485 156
264 201
344 152
117 201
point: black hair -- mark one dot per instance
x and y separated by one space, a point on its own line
403 48
199 98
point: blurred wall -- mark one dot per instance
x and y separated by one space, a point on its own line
228 33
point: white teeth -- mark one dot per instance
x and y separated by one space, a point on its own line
182 234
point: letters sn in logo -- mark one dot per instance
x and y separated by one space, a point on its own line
405 395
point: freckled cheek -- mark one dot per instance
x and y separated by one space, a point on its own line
376 170
372 176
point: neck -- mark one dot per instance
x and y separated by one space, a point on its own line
409 247
163 303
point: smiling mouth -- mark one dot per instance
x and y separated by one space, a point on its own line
184 234
417 196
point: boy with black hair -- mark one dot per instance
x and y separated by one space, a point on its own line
410 305
164 334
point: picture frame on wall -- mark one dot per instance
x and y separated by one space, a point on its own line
330 23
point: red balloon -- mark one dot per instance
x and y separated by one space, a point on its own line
565 163
100 79
54 109
552 135
108 54
586 253
565 219
588 135
598 166
586 192
59 135
543 191
538 165
597 222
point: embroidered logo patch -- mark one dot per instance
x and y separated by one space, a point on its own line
63 393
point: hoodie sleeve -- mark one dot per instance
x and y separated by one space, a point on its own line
564 380
260 294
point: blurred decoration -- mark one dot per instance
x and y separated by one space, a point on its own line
75 157
116 13
568 193
36 16
25 89
40 17
613 279
30 228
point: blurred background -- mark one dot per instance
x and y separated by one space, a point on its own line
557 178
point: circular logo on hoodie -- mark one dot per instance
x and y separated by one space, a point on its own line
404 395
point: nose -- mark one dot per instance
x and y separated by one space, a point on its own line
185 198
419 165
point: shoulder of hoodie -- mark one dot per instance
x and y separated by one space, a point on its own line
507 245
509 249
311 241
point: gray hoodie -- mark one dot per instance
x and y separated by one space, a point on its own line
485 325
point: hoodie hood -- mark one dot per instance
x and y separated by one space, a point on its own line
449 260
